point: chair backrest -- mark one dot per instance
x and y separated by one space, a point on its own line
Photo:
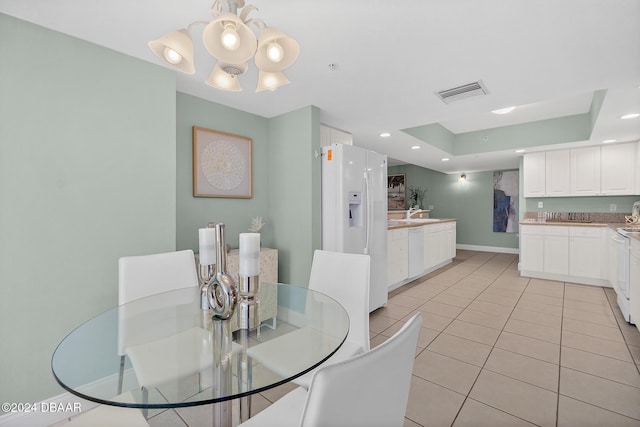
371 389
345 278
141 276
146 275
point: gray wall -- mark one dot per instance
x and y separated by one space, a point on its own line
87 174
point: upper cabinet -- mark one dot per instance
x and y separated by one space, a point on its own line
557 173
618 169
534 175
585 171
329 135
608 170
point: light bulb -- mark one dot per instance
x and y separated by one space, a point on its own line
172 56
275 52
229 37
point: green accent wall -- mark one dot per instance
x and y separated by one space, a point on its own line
196 212
581 204
470 202
434 134
87 174
547 132
294 188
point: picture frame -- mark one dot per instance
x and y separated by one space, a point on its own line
222 164
396 192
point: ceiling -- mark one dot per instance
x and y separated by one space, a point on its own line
548 57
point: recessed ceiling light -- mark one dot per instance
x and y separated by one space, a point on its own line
446 159
415 147
520 151
607 141
385 135
630 116
504 110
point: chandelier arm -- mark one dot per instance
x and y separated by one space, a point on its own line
258 24
196 23
246 11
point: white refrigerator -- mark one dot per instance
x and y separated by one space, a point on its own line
354 209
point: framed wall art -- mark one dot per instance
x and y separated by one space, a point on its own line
396 192
222 164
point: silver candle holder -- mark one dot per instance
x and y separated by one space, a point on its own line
249 302
221 288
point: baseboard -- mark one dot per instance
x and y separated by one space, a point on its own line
565 278
63 406
496 249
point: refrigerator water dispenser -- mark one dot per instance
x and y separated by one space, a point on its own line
355 209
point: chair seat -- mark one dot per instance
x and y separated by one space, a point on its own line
300 356
108 416
287 412
164 359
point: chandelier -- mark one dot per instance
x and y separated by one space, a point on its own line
230 39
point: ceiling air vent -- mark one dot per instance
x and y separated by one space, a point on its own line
462 92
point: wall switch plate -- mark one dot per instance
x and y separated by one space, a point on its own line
540 205
613 207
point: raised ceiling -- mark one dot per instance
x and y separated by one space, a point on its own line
550 57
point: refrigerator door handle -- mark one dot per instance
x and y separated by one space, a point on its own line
367 214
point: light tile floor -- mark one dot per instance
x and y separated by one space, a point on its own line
497 349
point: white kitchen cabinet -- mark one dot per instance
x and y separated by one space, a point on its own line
634 280
618 169
531 248
585 171
329 135
557 173
556 250
566 253
586 254
534 175
397 255
607 170
439 243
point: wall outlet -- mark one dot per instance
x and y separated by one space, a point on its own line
613 207
430 207
540 205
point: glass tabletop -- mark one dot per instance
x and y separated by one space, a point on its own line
163 351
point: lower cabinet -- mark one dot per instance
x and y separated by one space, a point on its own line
634 280
570 253
397 255
438 248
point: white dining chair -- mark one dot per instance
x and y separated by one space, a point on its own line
109 416
139 277
368 390
345 278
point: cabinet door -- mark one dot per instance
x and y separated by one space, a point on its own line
585 171
585 257
634 291
531 252
556 254
534 174
397 255
557 173
618 169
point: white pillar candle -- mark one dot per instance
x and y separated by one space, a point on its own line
207 240
249 254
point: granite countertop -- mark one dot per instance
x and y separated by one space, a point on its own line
403 223
611 225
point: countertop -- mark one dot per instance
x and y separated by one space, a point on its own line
612 225
403 223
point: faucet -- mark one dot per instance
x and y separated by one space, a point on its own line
412 211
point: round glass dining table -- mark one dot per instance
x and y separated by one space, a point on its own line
197 359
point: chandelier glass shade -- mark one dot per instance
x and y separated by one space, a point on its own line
230 39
